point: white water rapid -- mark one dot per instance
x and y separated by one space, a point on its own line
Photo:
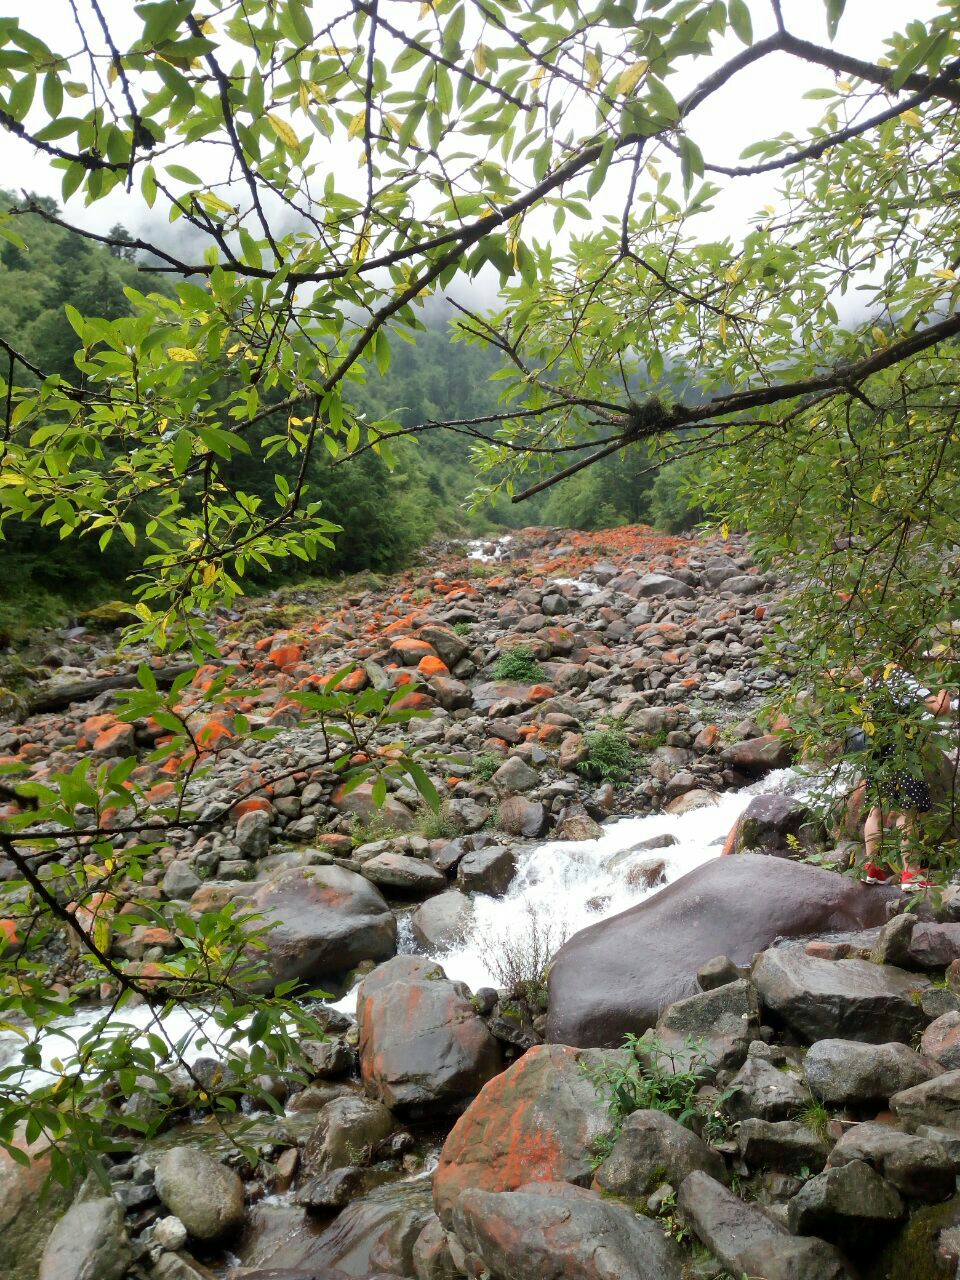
566 885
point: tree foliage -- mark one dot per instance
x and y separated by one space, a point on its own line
328 168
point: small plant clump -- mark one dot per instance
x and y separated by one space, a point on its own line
519 961
437 826
461 628
485 765
659 1077
610 756
816 1118
518 663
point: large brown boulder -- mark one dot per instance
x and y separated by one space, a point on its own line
322 921
617 976
423 1046
26 1218
537 1122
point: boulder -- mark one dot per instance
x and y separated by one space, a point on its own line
722 1022
432 1259
918 1167
347 1128
323 920
513 776
757 756
360 801
846 1073
423 1046
934 946
26 1219
839 999
554 1231
89 1242
403 875
201 1192
537 1122
372 1238
941 1041
518 816
487 870
653 1148
747 1242
442 921
252 836
618 975
760 1089
935 1102
787 1146
849 1205
662 585
767 821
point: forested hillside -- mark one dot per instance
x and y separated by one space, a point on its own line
386 514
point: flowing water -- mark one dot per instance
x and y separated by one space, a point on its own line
563 886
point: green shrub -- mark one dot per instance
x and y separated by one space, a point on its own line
461 628
485 765
437 826
518 663
609 756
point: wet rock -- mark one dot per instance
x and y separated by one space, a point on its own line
722 1022
577 826
325 920
747 1242
488 870
850 1206
553 1231
762 1090
432 1259
936 1102
537 1121
26 1219
423 1047
330 1191
757 756
372 1237
442 921
348 1128
934 946
839 999
201 1192
847 1073
617 976
404 875
518 816
941 1041
653 1148
328 1058
766 823
718 972
89 1242
784 1145
918 1167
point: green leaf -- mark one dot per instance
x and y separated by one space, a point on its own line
740 21
182 451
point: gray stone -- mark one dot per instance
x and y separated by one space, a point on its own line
423 1047
554 1231
848 1073
432 1258
201 1192
661 584
88 1243
442 920
717 973
934 946
347 1129
722 1022
653 1148
620 974
768 821
839 999
169 1233
784 1145
744 584
850 1205
893 941
935 1102
918 1167
487 870
762 1090
180 881
404 875
794 1258
518 816
253 834
941 1041
513 776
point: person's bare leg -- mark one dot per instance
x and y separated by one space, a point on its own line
873 835
906 825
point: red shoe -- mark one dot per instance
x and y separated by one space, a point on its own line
874 874
915 879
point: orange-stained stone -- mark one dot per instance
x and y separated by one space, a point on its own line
355 681
415 702
212 732
550 733
8 933
432 666
252 804
107 737
540 692
162 791
285 655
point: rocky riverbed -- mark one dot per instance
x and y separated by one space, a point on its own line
452 1130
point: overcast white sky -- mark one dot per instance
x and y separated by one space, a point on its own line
762 102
